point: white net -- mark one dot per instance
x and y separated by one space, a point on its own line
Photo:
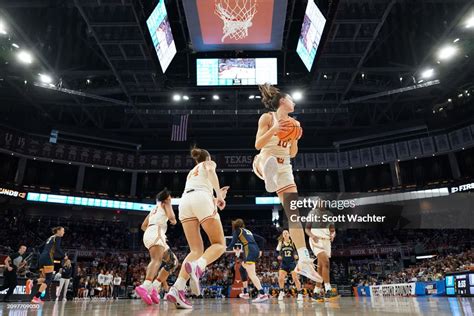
237 17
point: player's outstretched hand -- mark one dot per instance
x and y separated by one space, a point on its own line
300 133
279 126
224 191
221 204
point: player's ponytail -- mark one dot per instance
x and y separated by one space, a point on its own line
56 229
199 155
163 195
271 96
280 238
238 223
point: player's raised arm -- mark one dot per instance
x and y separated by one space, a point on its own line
169 211
210 167
145 222
235 239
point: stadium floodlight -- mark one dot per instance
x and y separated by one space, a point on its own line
427 73
3 29
45 78
215 97
185 97
176 97
251 97
297 95
447 52
15 45
425 257
25 57
470 22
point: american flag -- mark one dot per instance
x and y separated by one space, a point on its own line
179 131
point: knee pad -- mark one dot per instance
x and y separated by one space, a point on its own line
243 273
48 279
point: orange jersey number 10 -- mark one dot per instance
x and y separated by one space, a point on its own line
283 144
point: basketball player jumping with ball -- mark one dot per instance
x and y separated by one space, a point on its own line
277 140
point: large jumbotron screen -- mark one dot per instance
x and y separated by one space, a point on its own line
311 32
236 71
161 35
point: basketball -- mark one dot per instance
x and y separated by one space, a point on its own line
291 129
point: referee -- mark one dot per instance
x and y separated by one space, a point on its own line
12 263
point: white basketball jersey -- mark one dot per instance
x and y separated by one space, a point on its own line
197 180
275 147
158 217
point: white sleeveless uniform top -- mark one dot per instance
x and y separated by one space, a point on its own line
197 180
272 148
158 217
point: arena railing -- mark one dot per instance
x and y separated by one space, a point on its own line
341 157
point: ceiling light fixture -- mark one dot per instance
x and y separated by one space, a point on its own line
447 52
25 57
427 73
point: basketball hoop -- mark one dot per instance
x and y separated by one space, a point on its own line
237 18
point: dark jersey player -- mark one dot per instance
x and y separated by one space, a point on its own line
52 249
251 244
287 256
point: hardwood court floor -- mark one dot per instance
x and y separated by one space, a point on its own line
343 306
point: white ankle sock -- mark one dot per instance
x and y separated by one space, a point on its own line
157 285
202 263
180 284
147 285
327 287
317 290
303 253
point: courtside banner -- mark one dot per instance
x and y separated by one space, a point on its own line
24 290
12 193
363 291
380 250
430 288
403 289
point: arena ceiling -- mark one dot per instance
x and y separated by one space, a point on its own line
102 49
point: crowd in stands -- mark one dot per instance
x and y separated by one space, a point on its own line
432 269
119 250
80 233
422 240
